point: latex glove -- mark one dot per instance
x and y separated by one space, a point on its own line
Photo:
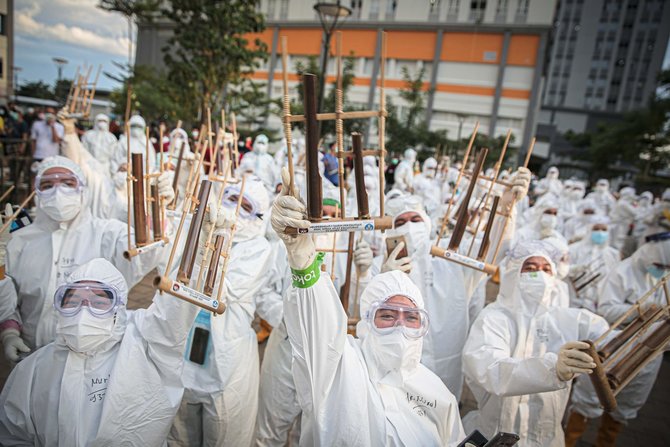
521 183
164 182
13 344
393 263
363 257
5 236
221 217
573 360
289 211
67 121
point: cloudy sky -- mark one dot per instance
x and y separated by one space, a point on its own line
75 30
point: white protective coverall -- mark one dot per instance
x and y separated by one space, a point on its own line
403 177
579 226
602 196
138 145
42 256
568 205
101 143
623 287
550 187
348 390
622 217
260 162
427 187
122 390
221 397
509 360
590 257
540 225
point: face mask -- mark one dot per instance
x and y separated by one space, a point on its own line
536 286
601 188
655 272
40 116
394 351
599 237
261 148
137 132
83 332
102 126
552 175
548 221
416 234
576 194
195 134
63 205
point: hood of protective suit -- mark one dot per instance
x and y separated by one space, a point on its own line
254 191
559 252
429 167
178 136
85 333
391 352
552 173
60 208
417 234
410 155
261 144
652 252
602 186
627 194
526 293
101 122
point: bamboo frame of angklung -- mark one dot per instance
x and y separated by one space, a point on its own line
139 181
80 96
452 252
7 220
311 119
202 294
620 358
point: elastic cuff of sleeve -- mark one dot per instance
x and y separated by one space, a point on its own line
10 324
307 277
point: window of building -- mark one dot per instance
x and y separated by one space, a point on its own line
477 8
501 11
434 13
356 8
283 9
3 26
374 10
391 6
272 4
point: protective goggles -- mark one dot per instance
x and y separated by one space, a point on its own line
46 185
385 318
249 207
101 300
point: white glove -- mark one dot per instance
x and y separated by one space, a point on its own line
573 360
289 211
363 257
221 217
5 236
393 263
68 122
164 182
521 183
13 344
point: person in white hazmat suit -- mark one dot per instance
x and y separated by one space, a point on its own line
571 197
111 376
403 177
260 162
426 187
578 227
43 255
622 217
221 397
591 259
138 145
549 188
629 281
366 391
543 224
602 197
447 287
101 143
523 352
278 405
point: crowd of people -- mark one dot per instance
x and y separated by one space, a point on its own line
389 369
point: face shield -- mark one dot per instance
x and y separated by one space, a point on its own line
249 209
385 318
101 300
47 184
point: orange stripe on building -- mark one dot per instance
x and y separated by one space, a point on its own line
514 93
265 37
472 47
412 45
465 89
362 43
523 50
304 42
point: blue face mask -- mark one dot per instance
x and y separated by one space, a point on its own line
599 237
656 272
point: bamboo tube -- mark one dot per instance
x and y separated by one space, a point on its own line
361 192
6 194
600 382
230 242
139 201
213 265
461 221
287 113
191 246
11 218
313 176
382 126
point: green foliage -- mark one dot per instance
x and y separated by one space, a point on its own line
207 51
140 9
37 89
252 106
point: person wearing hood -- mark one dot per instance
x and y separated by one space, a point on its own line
522 352
403 177
426 187
571 197
260 162
447 287
221 397
577 228
370 390
542 225
43 255
110 377
602 197
623 286
622 217
101 143
591 257
138 145
550 187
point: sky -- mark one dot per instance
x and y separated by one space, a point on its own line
80 32
75 30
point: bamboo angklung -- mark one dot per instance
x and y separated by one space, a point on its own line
175 180
191 246
139 201
361 192
312 174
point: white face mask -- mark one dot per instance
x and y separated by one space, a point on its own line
137 132
416 235
576 194
63 205
548 221
393 351
83 332
536 287
261 148
601 188
102 126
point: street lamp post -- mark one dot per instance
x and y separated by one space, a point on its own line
60 63
329 15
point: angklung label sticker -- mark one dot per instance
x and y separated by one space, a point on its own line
194 295
339 227
479 265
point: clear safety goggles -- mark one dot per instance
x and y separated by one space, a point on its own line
385 318
46 185
101 300
248 208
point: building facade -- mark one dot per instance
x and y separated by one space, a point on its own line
6 48
483 60
605 56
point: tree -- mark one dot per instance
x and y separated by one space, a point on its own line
36 89
252 106
208 50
